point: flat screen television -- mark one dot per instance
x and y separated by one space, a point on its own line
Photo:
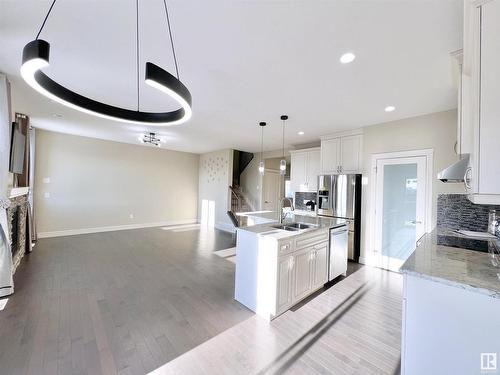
17 149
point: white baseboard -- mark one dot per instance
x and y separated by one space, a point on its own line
73 232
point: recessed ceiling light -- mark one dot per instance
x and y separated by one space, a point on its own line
389 108
347 58
300 133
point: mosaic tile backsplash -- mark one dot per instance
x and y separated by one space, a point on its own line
300 197
455 211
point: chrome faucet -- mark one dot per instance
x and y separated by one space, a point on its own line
283 214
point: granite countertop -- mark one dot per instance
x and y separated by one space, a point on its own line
462 268
267 230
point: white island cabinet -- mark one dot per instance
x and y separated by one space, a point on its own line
274 271
451 310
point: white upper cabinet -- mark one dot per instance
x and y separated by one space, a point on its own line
330 155
350 154
480 102
305 168
342 153
313 169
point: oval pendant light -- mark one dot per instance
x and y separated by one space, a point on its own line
36 56
262 166
283 161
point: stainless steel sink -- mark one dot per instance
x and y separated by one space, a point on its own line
285 227
301 225
293 227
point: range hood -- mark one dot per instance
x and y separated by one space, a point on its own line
456 171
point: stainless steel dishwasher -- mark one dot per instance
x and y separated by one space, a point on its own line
338 252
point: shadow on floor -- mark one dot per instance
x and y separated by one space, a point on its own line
280 364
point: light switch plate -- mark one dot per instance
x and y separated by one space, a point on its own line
46 180
46 194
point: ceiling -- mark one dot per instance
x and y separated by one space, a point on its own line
243 61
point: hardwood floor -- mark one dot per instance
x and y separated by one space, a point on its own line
354 327
118 302
130 302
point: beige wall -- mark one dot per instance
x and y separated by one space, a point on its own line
435 131
96 183
215 176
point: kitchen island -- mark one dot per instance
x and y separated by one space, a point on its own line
278 267
451 307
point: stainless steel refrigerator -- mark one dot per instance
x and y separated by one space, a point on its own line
340 196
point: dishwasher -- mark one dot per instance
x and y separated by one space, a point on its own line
338 252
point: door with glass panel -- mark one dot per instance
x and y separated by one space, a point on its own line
400 211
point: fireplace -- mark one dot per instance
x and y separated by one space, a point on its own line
16 219
14 231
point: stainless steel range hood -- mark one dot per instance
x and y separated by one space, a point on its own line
456 171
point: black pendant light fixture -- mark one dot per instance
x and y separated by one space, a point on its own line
283 161
262 166
151 139
36 56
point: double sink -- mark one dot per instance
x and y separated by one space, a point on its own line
294 227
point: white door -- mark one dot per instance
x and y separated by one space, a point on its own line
298 168
330 153
350 153
400 211
284 292
302 273
271 190
313 169
320 271
489 129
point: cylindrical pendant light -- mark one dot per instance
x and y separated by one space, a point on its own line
262 167
283 161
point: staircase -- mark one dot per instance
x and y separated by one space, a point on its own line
239 203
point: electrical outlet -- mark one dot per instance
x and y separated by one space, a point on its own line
46 180
131 216
46 194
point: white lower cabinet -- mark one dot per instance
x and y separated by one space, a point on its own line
284 290
320 265
307 271
274 274
302 273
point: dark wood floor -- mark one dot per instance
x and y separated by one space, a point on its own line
119 302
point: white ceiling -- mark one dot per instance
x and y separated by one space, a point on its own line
243 61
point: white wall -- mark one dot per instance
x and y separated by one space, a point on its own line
96 184
437 131
215 177
4 145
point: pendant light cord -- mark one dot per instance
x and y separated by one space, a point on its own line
45 19
171 38
262 143
283 139
137 47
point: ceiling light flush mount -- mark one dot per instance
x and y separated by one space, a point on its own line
262 166
36 56
389 108
347 58
150 138
283 161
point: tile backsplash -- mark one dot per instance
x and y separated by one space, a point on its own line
455 211
301 196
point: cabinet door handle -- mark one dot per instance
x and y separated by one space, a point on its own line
466 178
